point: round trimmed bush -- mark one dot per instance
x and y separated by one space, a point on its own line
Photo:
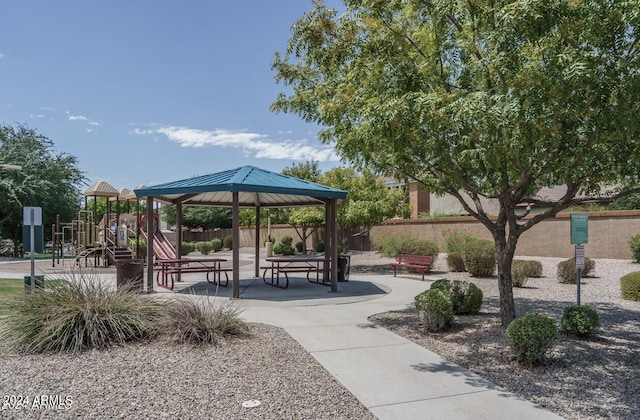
567 270
227 242
479 257
204 247
634 244
531 336
287 240
435 308
455 262
580 320
320 247
454 241
519 273
534 268
420 247
278 248
630 286
299 246
216 244
186 248
466 297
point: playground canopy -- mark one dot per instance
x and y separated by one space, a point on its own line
246 187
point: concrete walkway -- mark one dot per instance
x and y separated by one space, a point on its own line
393 377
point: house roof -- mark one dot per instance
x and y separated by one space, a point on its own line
256 187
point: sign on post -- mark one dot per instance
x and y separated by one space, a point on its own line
579 228
580 256
32 217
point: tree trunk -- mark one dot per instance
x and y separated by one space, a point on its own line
505 250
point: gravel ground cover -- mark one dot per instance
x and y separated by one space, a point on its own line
590 378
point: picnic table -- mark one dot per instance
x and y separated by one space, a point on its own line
169 267
287 265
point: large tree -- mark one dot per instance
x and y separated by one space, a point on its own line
47 179
478 99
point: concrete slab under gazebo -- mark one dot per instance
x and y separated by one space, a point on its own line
246 187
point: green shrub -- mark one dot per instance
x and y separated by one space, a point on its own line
634 244
287 240
630 286
392 245
186 248
216 244
479 257
435 308
455 262
320 247
278 248
299 246
530 337
197 321
519 273
567 270
454 241
79 314
227 242
466 298
204 247
534 267
580 320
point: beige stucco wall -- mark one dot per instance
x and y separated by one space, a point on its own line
448 204
609 233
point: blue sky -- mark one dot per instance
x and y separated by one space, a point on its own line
146 92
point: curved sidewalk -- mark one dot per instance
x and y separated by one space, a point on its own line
392 376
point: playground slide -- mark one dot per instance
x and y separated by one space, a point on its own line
162 248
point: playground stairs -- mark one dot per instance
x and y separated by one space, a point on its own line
119 253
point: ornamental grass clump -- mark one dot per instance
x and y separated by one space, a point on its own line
216 244
435 309
79 314
197 321
580 320
530 337
522 270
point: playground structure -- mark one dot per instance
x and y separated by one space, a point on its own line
115 237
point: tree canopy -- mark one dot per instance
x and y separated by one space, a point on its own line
477 99
47 179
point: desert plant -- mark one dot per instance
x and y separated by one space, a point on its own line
287 240
191 320
78 314
580 320
630 286
519 273
186 248
454 241
216 244
567 271
435 309
479 256
455 262
299 246
320 247
634 244
227 242
278 248
530 337
204 247
466 297
534 267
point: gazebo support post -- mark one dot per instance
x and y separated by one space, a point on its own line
235 225
257 259
150 244
178 236
334 244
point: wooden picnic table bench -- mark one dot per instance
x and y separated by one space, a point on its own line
287 265
169 267
418 262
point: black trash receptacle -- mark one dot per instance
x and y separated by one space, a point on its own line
38 282
130 274
343 267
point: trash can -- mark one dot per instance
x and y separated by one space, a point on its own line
130 274
343 267
39 283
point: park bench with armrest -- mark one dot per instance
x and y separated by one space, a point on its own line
417 262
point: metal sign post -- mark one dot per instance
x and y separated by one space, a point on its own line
32 217
579 237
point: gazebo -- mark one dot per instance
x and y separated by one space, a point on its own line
245 187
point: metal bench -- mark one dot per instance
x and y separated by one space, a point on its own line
417 262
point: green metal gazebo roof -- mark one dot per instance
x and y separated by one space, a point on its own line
255 187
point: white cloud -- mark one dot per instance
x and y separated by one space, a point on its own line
258 145
82 118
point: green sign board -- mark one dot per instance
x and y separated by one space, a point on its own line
579 228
